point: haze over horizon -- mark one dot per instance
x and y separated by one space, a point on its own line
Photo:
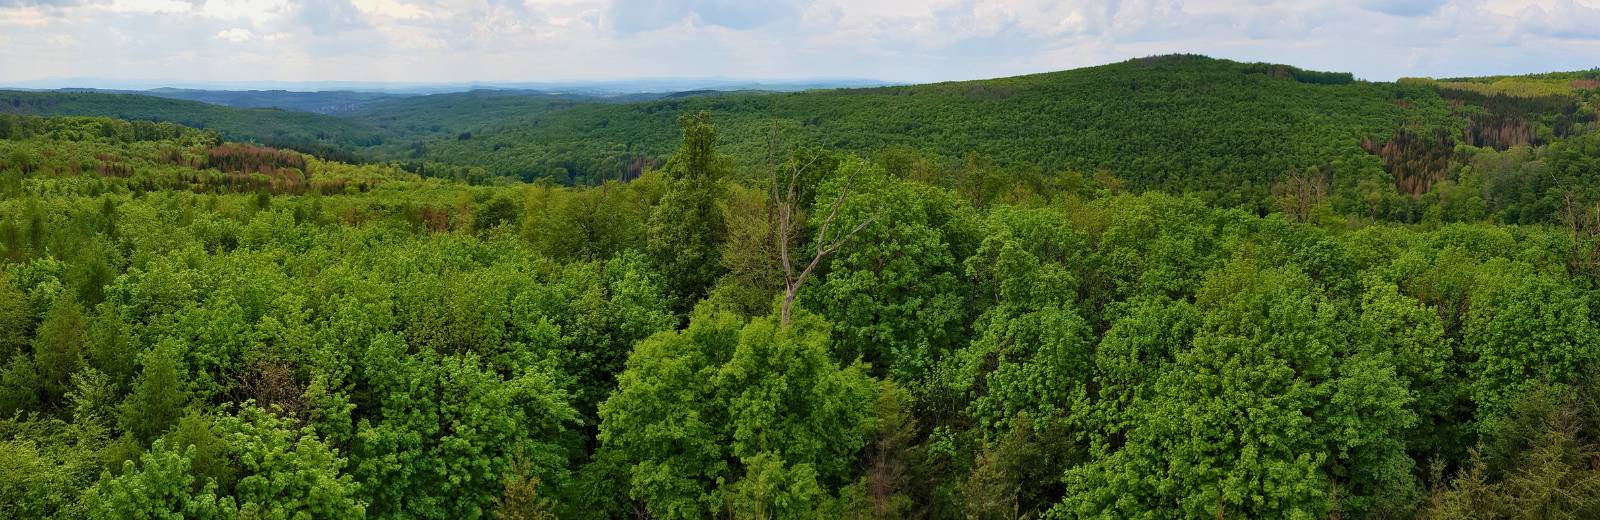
508 41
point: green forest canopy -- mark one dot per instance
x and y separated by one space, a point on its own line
215 329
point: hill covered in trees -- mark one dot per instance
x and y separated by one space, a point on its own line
1178 121
1174 122
1223 130
323 135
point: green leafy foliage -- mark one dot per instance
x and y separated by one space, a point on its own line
730 416
687 227
197 328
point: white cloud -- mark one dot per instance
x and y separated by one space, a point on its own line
391 9
256 11
236 35
24 16
150 6
1563 19
911 40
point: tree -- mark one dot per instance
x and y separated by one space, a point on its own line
590 224
111 348
285 472
1549 472
20 386
160 486
1301 194
159 395
1259 418
203 443
750 254
1525 330
687 227
1032 354
522 498
1411 335
743 418
93 399
895 299
441 432
44 468
888 483
58 348
1018 474
14 319
785 218
1144 340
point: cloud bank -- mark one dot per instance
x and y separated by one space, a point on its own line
899 40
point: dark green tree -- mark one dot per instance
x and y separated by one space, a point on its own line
159 395
58 347
687 226
15 323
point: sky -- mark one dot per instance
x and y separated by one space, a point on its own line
892 40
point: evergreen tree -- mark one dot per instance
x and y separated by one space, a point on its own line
20 386
58 347
687 227
159 395
14 319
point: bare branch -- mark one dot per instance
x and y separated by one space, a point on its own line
783 212
822 233
835 246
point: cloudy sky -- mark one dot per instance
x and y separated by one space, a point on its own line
896 40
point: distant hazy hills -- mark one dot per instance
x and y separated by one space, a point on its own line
342 97
329 102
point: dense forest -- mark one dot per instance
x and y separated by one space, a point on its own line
1185 123
1329 299
1224 131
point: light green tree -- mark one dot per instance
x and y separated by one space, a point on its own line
750 419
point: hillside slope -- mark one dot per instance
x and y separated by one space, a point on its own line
1175 122
314 133
1179 123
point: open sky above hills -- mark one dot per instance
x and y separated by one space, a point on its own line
894 40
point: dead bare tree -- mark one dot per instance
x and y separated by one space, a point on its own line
786 216
1301 192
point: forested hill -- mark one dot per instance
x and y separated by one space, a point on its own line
1229 131
326 136
1183 122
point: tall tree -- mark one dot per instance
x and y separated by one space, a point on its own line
787 216
58 347
687 227
14 319
159 395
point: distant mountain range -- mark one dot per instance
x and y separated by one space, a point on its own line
325 102
334 97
